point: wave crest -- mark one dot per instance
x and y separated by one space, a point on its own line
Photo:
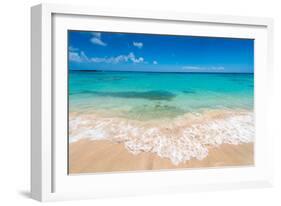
179 139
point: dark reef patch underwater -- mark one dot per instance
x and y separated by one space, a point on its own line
149 95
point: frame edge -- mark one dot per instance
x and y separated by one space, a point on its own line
36 102
38 16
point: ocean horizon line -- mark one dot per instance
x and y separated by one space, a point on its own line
184 72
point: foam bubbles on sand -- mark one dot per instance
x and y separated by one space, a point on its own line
179 139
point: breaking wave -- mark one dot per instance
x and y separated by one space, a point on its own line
179 139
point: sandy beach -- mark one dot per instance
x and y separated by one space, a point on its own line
86 156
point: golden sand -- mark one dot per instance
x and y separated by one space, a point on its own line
87 156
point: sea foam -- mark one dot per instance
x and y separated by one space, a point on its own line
179 139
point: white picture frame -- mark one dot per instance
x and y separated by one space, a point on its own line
49 178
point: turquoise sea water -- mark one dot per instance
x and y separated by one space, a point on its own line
175 115
146 95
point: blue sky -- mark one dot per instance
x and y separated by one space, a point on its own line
158 53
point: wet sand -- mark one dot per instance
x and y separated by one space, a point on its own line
87 156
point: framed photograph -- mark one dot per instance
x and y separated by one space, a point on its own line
136 102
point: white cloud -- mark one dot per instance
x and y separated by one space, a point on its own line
82 57
71 48
154 62
96 39
217 68
96 34
78 57
196 68
138 44
74 56
192 68
117 59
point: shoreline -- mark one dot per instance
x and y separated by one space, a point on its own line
180 139
99 156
